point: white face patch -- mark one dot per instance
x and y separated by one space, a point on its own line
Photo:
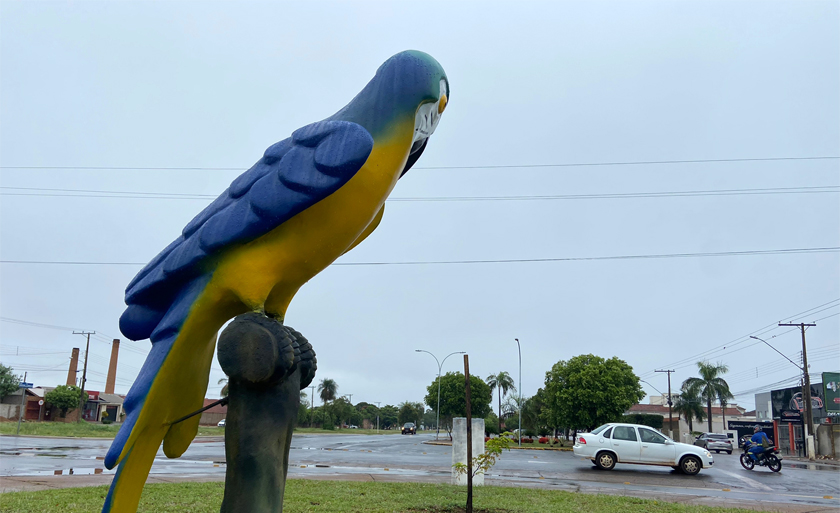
428 116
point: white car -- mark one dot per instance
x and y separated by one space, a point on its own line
631 443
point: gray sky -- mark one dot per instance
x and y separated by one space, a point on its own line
189 84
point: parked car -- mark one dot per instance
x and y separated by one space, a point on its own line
221 423
633 443
409 428
714 442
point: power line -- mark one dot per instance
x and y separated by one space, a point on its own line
787 251
35 324
492 166
94 193
745 338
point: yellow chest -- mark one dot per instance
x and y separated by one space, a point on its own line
267 272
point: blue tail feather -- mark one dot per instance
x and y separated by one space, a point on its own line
163 338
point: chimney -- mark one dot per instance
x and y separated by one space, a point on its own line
74 365
112 369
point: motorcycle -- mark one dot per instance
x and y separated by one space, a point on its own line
769 458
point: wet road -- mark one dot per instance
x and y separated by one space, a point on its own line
406 457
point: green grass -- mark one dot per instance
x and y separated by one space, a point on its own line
77 429
344 496
88 430
320 431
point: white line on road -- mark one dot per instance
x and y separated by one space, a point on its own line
752 483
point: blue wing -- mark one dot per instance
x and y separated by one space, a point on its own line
292 175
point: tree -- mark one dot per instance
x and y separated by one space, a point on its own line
388 416
65 397
503 383
491 424
453 397
709 386
429 419
224 391
689 406
410 412
587 391
8 381
645 419
343 412
724 399
327 389
533 413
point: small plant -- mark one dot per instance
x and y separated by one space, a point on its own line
493 448
543 440
105 419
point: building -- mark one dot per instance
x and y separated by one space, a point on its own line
212 416
38 409
10 405
659 406
785 409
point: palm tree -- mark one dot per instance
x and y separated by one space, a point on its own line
503 383
224 391
327 389
724 400
709 386
303 398
690 407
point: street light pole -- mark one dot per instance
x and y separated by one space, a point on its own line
440 366
520 390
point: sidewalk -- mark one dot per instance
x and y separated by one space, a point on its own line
797 459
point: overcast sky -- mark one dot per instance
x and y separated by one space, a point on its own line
174 85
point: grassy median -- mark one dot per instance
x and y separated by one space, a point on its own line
80 429
343 496
90 430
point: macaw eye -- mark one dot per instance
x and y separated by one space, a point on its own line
442 104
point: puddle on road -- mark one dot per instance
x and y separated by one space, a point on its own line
316 449
810 466
67 472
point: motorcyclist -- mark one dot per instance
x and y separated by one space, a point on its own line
759 442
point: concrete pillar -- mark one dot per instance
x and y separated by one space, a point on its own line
74 365
459 448
112 368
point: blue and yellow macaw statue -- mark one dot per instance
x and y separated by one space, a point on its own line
307 201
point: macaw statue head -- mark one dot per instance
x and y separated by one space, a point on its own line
410 87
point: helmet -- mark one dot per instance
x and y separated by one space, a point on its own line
757 428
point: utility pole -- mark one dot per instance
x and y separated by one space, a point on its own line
84 372
22 409
670 403
808 413
351 398
377 415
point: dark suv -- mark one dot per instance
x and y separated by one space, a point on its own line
409 429
714 442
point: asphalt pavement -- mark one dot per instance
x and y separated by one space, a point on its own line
33 463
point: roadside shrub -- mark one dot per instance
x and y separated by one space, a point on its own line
543 440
